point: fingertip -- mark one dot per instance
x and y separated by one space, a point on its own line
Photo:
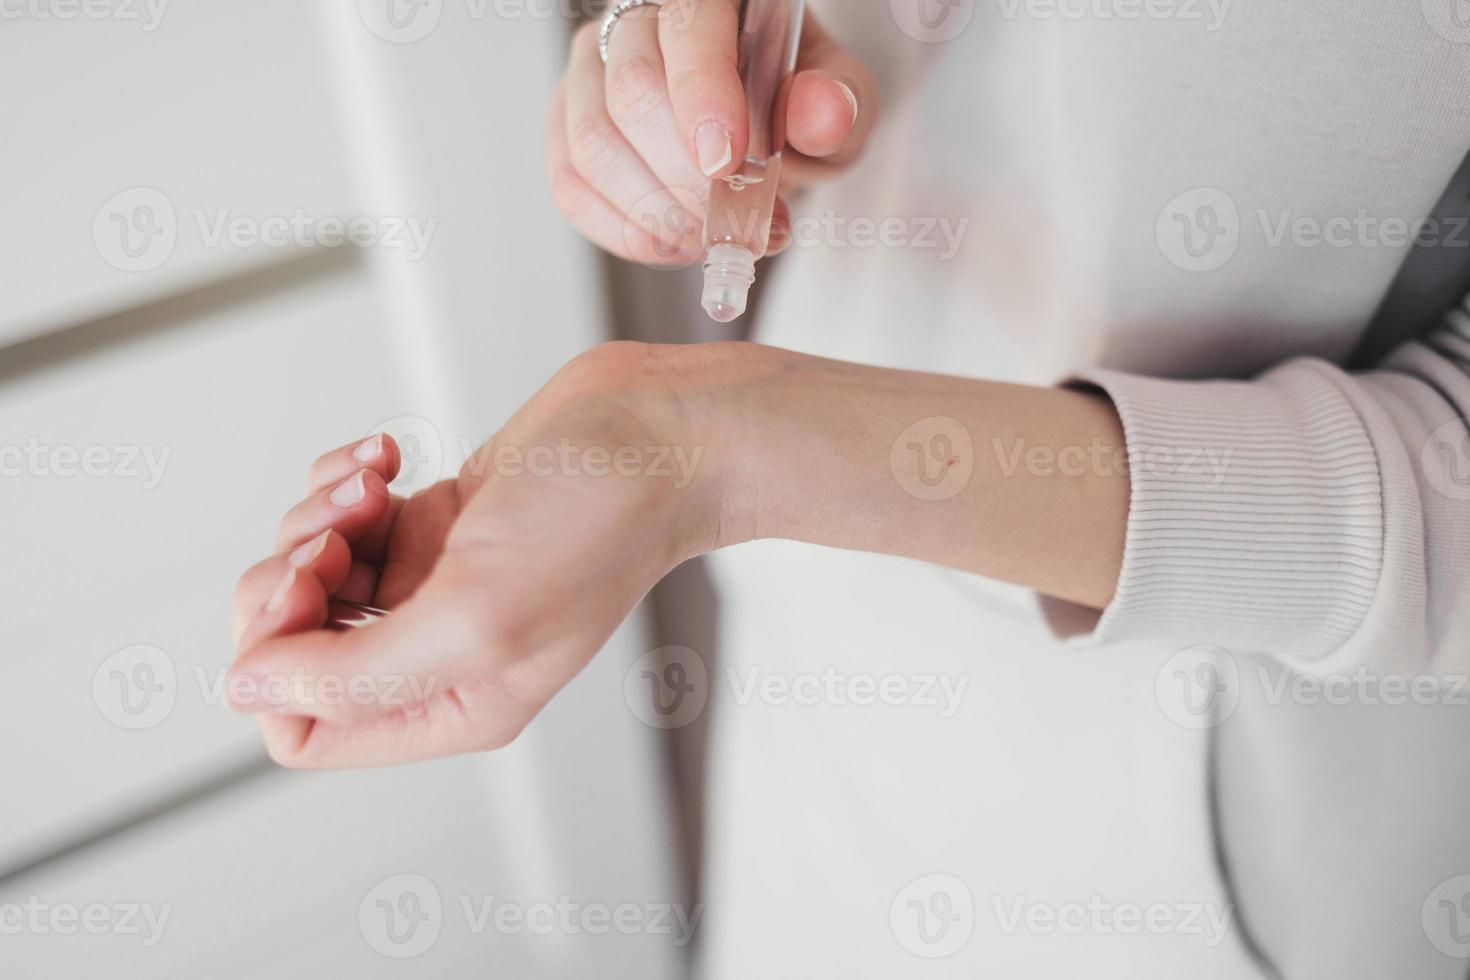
298 602
376 486
392 458
780 238
822 113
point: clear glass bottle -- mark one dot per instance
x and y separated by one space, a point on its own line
737 227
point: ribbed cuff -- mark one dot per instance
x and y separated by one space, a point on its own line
1257 516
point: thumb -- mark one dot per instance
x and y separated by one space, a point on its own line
833 101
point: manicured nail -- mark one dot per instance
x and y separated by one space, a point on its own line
309 552
712 143
847 93
278 597
351 492
369 448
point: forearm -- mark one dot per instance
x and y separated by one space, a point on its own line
1021 484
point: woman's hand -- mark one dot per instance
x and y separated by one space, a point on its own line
504 582
633 145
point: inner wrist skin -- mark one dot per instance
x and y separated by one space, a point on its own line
874 459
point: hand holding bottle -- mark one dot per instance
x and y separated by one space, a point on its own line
633 145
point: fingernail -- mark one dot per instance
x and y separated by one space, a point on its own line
851 98
369 448
351 492
309 552
278 597
712 144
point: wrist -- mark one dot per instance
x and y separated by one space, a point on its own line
729 407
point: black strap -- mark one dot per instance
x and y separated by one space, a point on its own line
1434 278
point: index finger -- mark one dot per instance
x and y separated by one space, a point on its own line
700 43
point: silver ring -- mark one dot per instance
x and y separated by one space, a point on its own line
611 20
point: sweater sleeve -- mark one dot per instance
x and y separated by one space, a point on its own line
1316 516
